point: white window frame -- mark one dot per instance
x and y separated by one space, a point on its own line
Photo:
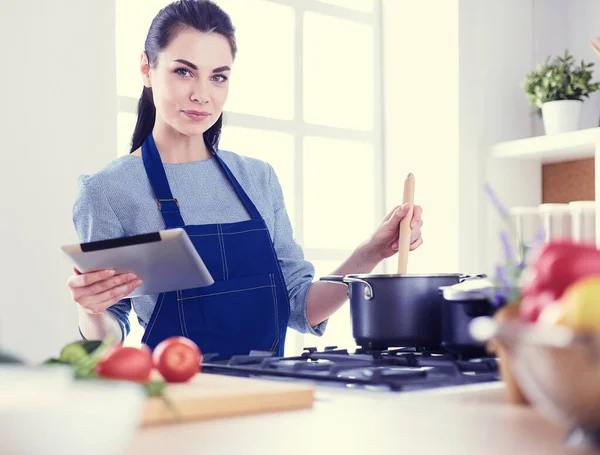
300 129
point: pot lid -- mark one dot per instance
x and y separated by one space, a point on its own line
473 289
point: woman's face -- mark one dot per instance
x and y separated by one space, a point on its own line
190 80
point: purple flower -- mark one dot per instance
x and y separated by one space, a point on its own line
497 300
503 290
528 250
501 275
538 239
506 288
495 201
506 245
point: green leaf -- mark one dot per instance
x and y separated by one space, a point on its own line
155 388
559 78
85 367
55 362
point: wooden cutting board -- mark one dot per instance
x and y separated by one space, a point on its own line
209 396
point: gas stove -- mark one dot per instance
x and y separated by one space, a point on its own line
389 370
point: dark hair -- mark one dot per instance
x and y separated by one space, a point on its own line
202 15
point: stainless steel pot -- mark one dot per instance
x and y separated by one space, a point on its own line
396 310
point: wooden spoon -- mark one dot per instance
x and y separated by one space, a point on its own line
595 46
405 231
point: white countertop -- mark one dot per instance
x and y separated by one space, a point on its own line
463 420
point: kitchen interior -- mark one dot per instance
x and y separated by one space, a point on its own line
437 91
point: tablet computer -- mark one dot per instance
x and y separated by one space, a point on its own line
165 260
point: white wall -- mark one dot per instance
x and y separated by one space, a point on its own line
584 25
453 84
560 25
496 51
549 37
538 28
452 88
57 120
421 122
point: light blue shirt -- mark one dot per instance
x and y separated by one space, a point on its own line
118 201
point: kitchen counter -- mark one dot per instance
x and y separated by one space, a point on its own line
461 420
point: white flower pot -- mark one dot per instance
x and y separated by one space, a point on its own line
561 116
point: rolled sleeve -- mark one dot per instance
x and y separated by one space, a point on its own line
297 271
94 220
120 311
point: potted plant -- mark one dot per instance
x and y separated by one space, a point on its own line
556 88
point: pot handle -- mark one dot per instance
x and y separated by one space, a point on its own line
345 280
368 294
463 278
339 279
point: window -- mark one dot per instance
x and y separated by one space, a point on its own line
305 96
367 6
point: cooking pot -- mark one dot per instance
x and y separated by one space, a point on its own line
462 303
396 310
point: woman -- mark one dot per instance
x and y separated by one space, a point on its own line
231 207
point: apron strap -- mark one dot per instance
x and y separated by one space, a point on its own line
248 204
167 204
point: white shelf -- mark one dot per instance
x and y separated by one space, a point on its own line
553 148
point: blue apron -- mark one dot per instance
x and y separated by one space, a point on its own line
247 308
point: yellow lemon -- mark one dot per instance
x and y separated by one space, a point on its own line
581 305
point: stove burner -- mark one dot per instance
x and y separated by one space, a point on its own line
390 369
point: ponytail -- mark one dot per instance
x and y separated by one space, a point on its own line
145 119
212 135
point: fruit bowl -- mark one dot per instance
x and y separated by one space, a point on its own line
558 370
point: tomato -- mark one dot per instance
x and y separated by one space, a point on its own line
532 305
555 267
127 363
177 359
559 264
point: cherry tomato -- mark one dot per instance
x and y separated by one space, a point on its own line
177 359
127 363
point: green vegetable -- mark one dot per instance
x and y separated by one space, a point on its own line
84 368
154 388
78 350
73 353
90 345
157 389
83 356
55 362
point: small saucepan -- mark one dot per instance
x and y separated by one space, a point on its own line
462 303
397 310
